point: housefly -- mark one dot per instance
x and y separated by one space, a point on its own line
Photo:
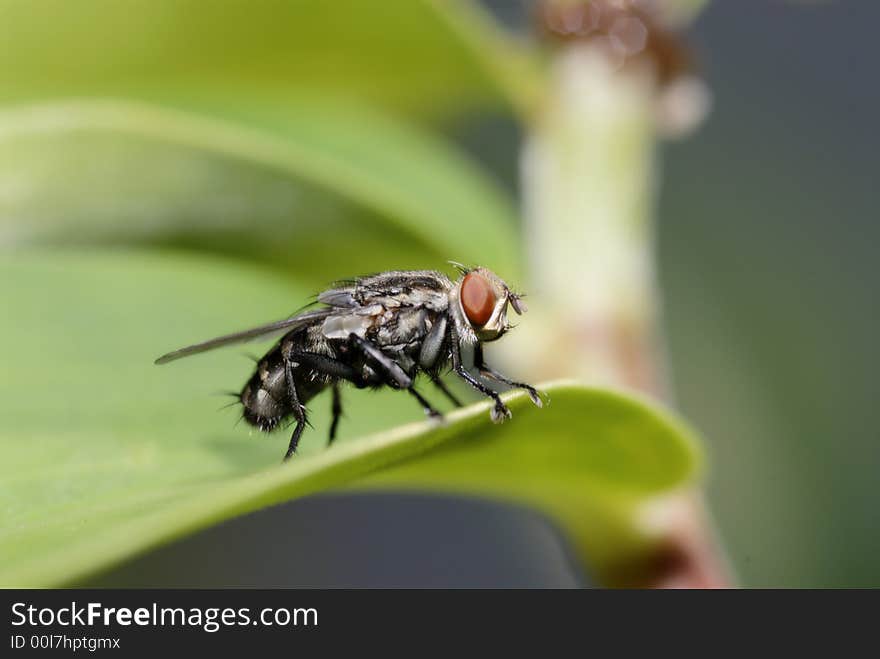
374 331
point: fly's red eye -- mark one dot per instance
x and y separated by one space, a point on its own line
477 299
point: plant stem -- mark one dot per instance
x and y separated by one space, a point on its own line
588 181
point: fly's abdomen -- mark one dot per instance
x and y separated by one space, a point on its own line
266 396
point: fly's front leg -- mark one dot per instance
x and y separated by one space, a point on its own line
500 411
488 372
391 371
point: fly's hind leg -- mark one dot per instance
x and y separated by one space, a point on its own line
299 412
391 372
332 368
336 411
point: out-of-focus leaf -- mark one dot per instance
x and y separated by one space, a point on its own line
106 455
317 188
423 57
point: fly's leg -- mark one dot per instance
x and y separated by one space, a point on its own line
299 412
442 387
488 372
429 410
500 411
336 411
333 368
327 366
391 371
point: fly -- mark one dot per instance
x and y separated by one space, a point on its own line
376 331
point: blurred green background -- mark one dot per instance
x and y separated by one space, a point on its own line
767 228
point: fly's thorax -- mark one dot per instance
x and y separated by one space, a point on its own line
391 324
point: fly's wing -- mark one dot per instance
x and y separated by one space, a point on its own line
342 297
247 335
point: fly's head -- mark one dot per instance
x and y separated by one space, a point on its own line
479 304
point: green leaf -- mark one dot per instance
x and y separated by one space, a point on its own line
106 455
316 188
416 56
